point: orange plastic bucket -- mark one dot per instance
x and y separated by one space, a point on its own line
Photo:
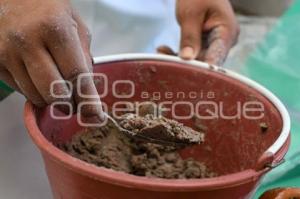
237 148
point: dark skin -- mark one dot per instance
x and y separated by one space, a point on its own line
45 41
47 44
208 30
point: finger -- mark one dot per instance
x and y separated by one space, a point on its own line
219 44
216 53
20 75
165 50
66 49
85 39
46 77
6 77
191 36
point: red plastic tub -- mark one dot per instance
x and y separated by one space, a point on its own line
247 130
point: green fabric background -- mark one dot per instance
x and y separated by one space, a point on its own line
4 90
276 65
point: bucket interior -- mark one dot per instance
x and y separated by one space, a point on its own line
227 111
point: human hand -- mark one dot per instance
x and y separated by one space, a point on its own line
42 42
208 30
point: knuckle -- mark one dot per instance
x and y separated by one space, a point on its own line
53 21
55 26
73 75
18 38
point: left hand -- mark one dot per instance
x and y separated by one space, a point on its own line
208 30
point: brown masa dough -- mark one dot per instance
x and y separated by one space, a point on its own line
106 147
160 128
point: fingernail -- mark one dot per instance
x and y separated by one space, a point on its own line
187 53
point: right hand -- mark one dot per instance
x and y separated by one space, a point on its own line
208 30
41 42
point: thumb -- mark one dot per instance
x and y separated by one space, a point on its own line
191 38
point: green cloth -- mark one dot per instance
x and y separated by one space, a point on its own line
4 90
276 64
